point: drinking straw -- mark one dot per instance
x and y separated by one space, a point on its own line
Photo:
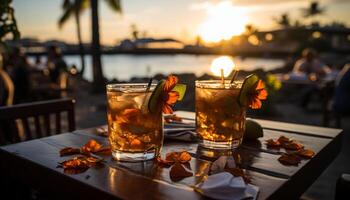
222 76
147 89
149 84
235 74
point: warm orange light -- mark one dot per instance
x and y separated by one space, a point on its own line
224 21
222 63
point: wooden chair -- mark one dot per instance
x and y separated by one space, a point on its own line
16 126
8 86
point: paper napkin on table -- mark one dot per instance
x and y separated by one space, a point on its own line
178 132
225 186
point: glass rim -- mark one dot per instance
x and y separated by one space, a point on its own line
217 84
121 86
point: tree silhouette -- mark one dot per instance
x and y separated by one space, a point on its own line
73 8
313 10
98 78
8 24
283 20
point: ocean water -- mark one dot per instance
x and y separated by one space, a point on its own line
124 67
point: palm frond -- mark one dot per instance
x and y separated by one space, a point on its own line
115 5
64 18
66 4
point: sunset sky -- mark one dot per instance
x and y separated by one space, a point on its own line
180 19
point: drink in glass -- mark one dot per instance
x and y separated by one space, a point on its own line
135 134
220 120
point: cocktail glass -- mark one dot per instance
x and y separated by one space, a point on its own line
220 120
135 134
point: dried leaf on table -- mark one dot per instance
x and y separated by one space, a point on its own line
283 139
164 163
69 151
91 146
75 163
104 151
289 159
78 164
184 157
178 172
293 145
172 118
270 143
181 157
306 153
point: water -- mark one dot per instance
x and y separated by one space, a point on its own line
124 67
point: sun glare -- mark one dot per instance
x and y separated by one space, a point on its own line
224 20
222 62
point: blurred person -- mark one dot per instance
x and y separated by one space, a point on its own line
39 65
311 65
342 92
18 69
55 63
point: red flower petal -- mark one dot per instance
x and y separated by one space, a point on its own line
170 83
173 96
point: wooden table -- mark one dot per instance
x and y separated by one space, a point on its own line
35 163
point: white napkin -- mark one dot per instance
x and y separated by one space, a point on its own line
225 186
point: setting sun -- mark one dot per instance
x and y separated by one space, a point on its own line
223 62
224 20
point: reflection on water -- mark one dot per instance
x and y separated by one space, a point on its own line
123 67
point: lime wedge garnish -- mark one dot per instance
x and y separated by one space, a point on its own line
247 86
181 89
153 103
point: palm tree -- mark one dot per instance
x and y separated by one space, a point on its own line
283 20
313 10
98 78
75 8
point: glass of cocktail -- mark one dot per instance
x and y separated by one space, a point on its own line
135 133
220 119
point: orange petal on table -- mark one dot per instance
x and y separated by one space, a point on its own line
184 157
270 143
104 151
91 146
178 172
172 97
69 151
289 159
75 163
292 145
172 118
172 157
306 153
170 83
164 163
283 139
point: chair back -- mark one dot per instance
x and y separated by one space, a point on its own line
33 120
8 86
